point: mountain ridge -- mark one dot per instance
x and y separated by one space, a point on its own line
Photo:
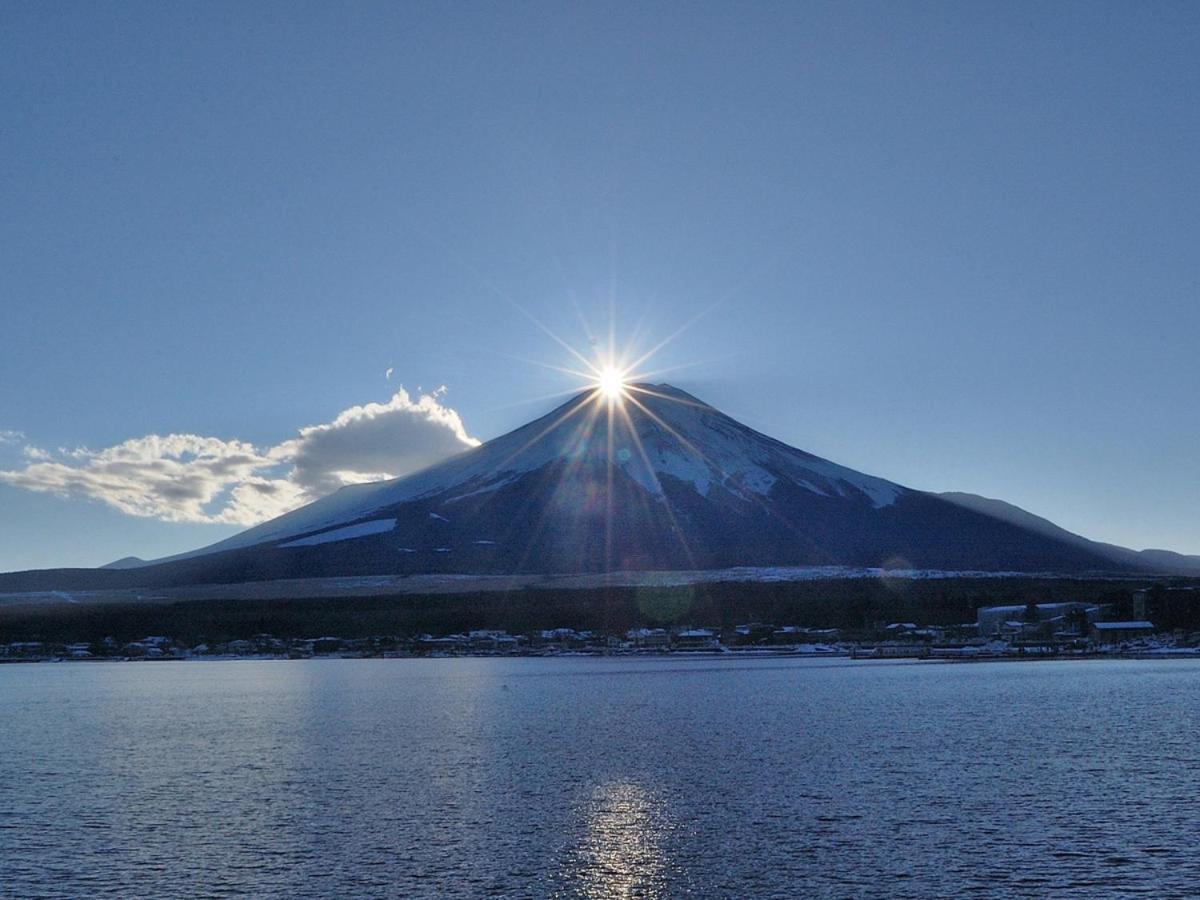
1181 563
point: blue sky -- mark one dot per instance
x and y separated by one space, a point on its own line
953 245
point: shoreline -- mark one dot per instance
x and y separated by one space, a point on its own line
849 656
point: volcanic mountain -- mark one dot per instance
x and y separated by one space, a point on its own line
653 480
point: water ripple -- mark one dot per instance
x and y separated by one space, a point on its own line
599 778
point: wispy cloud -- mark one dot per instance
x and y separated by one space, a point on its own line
11 437
192 478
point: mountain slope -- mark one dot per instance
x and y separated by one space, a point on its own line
1154 560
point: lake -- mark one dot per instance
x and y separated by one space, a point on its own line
599 777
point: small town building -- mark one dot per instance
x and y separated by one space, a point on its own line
563 638
427 643
1000 621
1168 607
787 634
499 641
695 639
1119 632
648 637
752 633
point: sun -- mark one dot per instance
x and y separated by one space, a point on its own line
610 382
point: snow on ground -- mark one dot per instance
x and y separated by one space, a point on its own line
371 585
362 529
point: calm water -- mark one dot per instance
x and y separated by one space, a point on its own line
599 777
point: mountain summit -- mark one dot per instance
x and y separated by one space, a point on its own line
652 479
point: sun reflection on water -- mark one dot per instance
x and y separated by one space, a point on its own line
622 849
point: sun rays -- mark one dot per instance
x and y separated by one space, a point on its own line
603 433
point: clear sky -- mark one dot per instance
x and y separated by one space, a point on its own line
951 244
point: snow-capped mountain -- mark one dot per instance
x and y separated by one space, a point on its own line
655 481
663 440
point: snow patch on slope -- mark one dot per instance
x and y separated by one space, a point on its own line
362 529
717 449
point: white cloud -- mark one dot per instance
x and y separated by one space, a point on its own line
11 437
378 440
175 477
191 478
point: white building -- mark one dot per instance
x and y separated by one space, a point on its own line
992 620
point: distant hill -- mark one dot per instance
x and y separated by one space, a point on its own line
125 562
1165 561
